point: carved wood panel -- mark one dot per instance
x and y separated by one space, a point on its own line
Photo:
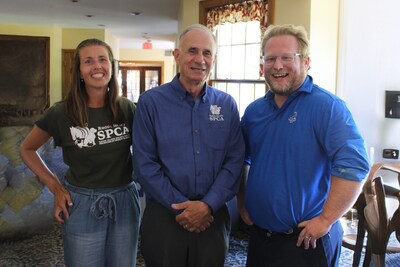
24 79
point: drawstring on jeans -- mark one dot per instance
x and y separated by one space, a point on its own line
104 210
103 200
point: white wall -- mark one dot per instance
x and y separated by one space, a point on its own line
323 34
369 64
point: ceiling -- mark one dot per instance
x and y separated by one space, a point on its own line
157 20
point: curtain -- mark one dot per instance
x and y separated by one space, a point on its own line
245 11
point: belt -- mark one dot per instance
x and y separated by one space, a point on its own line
268 233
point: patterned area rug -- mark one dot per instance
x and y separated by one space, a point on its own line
45 250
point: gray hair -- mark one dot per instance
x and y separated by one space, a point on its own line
201 28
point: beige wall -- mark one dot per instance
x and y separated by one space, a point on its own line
324 34
112 41
188 13
295 12
72 37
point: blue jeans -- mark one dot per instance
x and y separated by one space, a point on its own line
102 228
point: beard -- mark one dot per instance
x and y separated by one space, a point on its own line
286 88
282 92
281 89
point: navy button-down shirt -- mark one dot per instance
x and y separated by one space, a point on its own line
186 149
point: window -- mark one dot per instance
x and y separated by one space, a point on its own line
238 24
239 47
237 69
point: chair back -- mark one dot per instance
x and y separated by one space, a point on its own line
380 223
376 215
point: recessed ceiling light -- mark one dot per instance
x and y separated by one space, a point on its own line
136 13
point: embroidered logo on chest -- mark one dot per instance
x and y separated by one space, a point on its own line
216 113
293 118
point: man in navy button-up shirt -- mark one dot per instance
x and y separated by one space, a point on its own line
188 152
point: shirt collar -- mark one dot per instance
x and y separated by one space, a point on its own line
182 93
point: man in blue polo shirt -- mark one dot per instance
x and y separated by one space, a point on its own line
305 161
188 152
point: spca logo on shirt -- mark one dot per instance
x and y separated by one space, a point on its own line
216 113
86 137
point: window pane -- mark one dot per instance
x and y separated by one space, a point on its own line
252 66
238 58
253 32
259 90
238 33
224 56
224 34
238 55
246 96
220 86
151 79
233 90
133 85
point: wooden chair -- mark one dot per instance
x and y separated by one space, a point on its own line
380 222
356 241
353 241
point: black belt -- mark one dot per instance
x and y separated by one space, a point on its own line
267 233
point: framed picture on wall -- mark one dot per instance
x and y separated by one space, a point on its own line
24 79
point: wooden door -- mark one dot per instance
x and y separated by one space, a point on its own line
135 80
67 63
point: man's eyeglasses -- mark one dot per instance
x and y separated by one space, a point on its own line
286 58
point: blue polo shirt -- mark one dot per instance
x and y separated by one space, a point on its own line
186 149
294 150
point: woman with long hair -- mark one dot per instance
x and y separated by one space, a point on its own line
97 202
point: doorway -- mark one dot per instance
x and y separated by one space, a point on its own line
135 80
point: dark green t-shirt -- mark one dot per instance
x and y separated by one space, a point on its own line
99 155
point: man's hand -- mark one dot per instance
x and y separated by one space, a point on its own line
313 229
342 195
195 217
